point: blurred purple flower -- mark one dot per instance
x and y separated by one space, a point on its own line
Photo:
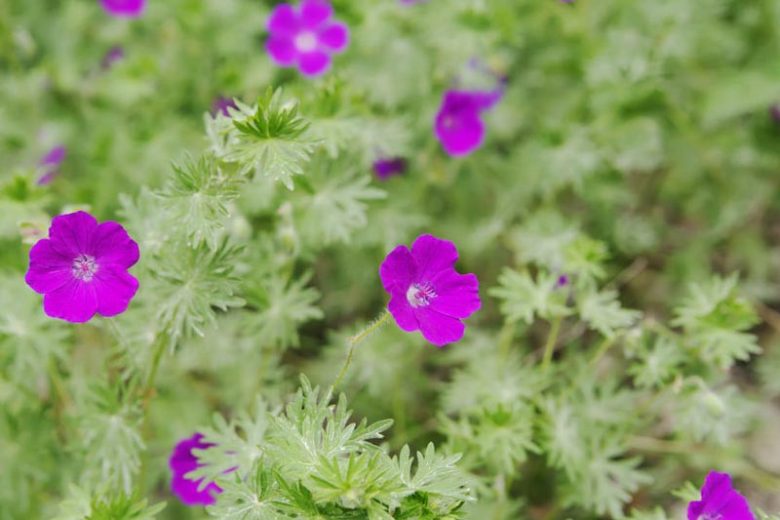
719 501
562 281
306 36
386 168
458 124
113 55
183 461
221 105
426 293
50 164
774 112
124 8
81 269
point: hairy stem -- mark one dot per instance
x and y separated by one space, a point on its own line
358 338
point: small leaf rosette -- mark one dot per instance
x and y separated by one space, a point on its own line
81 269
426 293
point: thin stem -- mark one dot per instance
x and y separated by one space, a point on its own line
602 349
159 348
355 340
505 338
549 347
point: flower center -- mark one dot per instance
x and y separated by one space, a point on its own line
84 268
306 41
420 295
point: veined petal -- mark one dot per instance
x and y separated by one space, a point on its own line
402 312
114 288
111 245
438 328
398 270
313 63
49 269
72 234
76 302
335 37
457 295
432 254
314 13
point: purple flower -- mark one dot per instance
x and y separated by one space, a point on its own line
562 281
113 55
50 164
124 8
774 112
458 125
426 293
81 269
183 461
386 168
305 37
719 501
221 105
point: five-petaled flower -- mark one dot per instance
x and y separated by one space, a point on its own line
81 269
458 124
124 8
426 293
183 461
306 36
386 168
719 501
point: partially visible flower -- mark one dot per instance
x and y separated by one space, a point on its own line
81 269
458 124
113 55
562 281
386 168
183 461
221 104
719 501
426 293
306 36
412 2
50 164
124 8
774 113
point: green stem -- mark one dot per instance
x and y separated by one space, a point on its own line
355 340
602 349
159 349
549 347
505 338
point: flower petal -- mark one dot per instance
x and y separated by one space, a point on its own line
75 302
188 493
432 254
313 63
459 134
111 245
398 270
283 21
49 270
282 50
71 234
115 288
335 36
314 13
438 328
129 8
457 295
402 312
720 500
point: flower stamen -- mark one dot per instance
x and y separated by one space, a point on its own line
420 295
84 268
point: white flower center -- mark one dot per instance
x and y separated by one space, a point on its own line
84 268
420 295
306 41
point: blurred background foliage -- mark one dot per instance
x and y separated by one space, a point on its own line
634 153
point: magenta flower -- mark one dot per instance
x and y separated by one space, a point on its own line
719 501
221 104
81 269
386 168
113 55
305 37
458 125
426 293
183 461
50 165
124 8
774 113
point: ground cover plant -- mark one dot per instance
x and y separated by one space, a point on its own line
480 259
